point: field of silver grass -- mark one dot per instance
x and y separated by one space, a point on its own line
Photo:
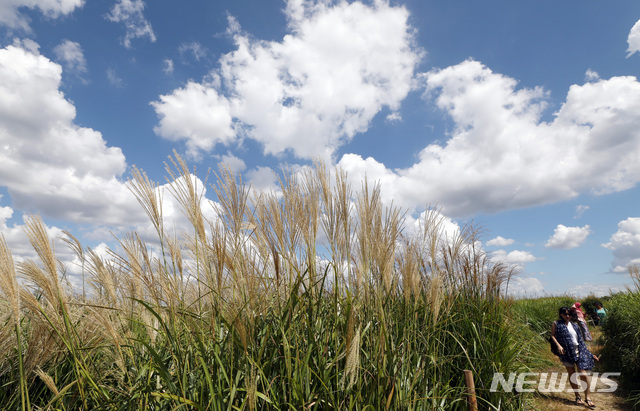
311 298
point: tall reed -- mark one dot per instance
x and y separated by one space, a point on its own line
314 296
10 290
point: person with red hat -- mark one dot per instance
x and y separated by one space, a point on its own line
579 314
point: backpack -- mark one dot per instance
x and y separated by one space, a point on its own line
554 347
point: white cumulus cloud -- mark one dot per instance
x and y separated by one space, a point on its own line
47 162
500 241
516 258
309 93
19 244
394 117
568 237
69 54
591 75
233 163
625 244
263 179
525 287
130 12
199 114
598 290
11 16
14 235
634 39
501 155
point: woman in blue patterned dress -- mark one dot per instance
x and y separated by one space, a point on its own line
573 354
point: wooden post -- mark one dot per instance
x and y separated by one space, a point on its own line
471 391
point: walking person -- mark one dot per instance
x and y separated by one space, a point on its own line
601 312
579 314
574 355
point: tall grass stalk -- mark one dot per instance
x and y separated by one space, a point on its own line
9 287
621 329
312 296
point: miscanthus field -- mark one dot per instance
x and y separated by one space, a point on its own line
311 298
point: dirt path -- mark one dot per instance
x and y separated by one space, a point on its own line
564 401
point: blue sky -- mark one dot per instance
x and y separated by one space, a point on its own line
523 117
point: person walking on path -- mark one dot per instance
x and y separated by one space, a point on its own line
574 355
579 314
601 312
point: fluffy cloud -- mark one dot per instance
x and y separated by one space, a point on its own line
591 75
48 163
599 290
432 222
130 13
634 39
18 241
446 226
233 163
11 17
500 241
625 244
176 224
501 155
15 237
70 55
263 179
394 117
199 114
525 287
514 258
568 237
309 93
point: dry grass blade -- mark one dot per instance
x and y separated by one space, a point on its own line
48 381
149 197
41 344
76 247
8 280
233 197
634 272
139 267
408 266
378 232
112 331
353 361
47 280
184 188
104 279
270 231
